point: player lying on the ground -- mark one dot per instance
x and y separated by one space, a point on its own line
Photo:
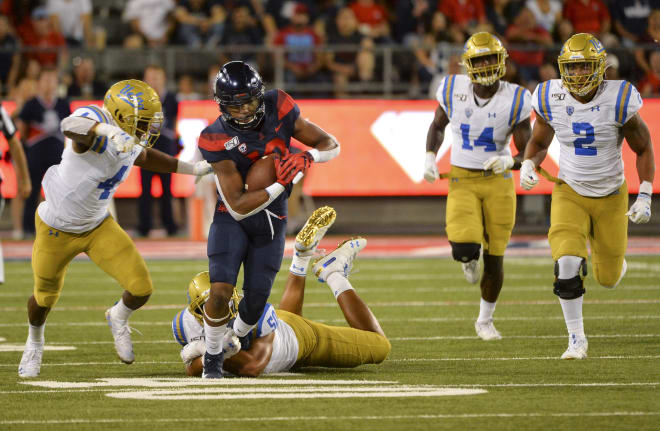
283 339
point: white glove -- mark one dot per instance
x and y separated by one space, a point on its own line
528 177
640 211
231 345
193 350
430 168
202 168
120 140
499 164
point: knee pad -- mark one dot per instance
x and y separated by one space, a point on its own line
465 251
571 288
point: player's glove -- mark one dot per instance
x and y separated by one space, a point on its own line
640 211
230 344
120 140
202 168
193 350
299 162
283 175
499 164
528 177
430 168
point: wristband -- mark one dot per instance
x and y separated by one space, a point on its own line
185 168
646 188
274 190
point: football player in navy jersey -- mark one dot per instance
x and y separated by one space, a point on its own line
249 225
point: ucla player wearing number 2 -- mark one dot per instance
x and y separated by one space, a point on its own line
484 113
590 117
74 217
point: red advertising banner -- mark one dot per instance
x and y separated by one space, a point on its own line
382 153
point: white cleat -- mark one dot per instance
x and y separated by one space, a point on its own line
340 260
31 361
122 335
312 232
486 330
577 347
471 271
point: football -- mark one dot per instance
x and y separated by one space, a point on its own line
261 173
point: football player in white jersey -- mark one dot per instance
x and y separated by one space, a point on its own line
283 339
590 117
483 112
74 217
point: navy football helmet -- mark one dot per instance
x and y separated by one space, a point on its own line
239 90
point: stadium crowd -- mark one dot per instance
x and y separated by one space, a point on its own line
333 42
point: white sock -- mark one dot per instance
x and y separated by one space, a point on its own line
338 283
572 309
36 334
2 266
120 311
213 337
299 264
241 328
486 310
569 266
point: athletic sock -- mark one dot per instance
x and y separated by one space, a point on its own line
36 334
241 328
213 337
299 264
120 311
486 310
338 283
572 309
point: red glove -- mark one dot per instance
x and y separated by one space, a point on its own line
282 175
298 162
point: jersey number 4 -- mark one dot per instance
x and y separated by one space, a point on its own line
109 184
581 143
484 140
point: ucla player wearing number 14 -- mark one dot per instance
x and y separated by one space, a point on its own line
74 217
481 206
590 117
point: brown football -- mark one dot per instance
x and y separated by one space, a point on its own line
261 173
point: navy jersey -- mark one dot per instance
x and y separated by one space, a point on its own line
44 119
219 141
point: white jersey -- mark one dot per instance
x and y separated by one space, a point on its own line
589 134
79 189
285 344
481 132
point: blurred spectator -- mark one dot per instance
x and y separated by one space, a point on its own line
241 30
133 41
412 17
152 19
85 85
211 75
201 22
19 13
496 13
527 34
548 71
650 40
301 64
469 16
186 89
349 65
372 19
650 83
27 85
73 19
630 18
324 24
39 125
10 58
278 13
433 52
588 16
546 12
49 45
612 67
168 143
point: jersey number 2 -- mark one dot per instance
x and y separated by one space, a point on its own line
484 140
108 184
581 143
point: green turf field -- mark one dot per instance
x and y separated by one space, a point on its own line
425 307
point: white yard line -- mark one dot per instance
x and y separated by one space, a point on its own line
534 358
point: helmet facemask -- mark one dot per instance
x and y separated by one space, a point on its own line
234 103
580 76
487 74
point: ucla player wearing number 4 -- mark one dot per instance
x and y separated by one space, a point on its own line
590 117
74 217
481 206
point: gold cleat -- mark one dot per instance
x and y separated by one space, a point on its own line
316 226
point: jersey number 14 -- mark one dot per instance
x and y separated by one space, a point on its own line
484 140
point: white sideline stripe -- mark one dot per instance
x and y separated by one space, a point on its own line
324 418
373 304
383 319
535 358
522 337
